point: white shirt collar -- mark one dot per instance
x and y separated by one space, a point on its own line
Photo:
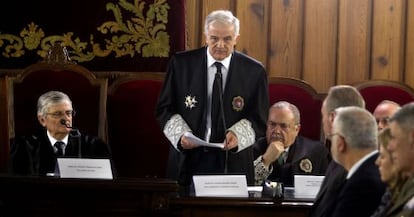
53 140
355 167
211 60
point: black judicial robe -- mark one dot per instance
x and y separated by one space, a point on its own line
34 155
187 76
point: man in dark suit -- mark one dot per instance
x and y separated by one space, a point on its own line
355 147
282 153
187 104
338 96
36 154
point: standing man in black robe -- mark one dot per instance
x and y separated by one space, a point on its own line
187 104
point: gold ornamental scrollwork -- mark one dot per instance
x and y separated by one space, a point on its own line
142 34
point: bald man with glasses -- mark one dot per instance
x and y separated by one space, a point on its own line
384 110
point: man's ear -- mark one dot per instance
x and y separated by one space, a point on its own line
412 138
331 116
236 39
298 128
41 120
342 146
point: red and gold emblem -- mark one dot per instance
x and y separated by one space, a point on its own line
306 165
238 103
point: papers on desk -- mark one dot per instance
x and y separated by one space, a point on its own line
307 186
84 168
200 142
220 186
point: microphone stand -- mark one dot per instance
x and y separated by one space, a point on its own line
224 124
74 132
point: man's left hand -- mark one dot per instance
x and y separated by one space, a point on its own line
231 141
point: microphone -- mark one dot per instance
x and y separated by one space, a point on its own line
220 90
75 134
63 122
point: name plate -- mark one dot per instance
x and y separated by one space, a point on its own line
85 168
220 186
307 185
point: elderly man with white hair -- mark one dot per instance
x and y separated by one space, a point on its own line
354 146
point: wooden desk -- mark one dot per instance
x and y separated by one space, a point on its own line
43 196
190 206
46 196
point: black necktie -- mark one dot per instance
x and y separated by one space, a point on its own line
59 145
217 128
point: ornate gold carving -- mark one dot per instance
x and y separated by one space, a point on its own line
142 34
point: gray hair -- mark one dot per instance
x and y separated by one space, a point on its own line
343 95
291 107
51 98
222 16
357 126
404 117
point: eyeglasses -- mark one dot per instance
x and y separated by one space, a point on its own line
383 121
57 115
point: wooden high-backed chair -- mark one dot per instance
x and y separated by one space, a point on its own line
375 91
57 72
139 147
305 97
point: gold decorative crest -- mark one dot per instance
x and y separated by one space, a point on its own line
238 103
306 165
142 34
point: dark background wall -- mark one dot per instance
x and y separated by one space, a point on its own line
34 25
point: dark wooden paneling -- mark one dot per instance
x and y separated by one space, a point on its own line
4 120
82 197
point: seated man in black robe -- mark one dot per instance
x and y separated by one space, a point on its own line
283 153
36 155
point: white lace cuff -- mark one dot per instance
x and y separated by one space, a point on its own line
244 132
175 128
261 172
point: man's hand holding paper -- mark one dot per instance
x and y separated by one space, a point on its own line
189 141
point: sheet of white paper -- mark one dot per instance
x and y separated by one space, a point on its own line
220 186
201 142
307 185
85 168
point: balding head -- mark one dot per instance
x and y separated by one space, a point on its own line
384 111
